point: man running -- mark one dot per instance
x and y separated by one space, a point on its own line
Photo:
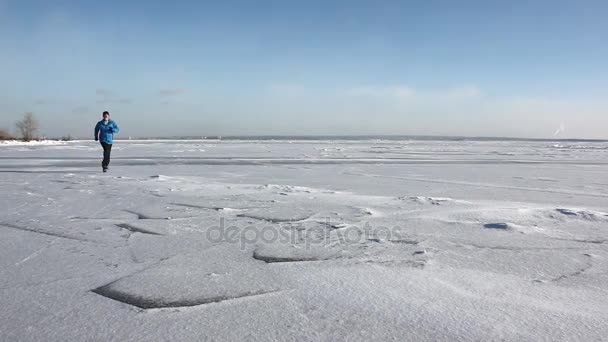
104 132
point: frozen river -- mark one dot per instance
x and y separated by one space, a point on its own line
304 240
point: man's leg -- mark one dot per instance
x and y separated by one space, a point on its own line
103 162
107 148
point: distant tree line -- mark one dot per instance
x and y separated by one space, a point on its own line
27 128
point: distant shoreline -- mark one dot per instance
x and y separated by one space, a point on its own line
364 138
342 138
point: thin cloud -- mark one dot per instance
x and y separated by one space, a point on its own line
396 91
42 102
103 92
168 92
80 109
107 96
464 92
404 92
286 89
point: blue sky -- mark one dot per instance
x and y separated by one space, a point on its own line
492 68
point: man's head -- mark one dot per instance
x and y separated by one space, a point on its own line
106 115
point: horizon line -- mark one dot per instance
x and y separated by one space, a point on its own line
345 137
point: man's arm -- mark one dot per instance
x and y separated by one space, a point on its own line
115 127
96 131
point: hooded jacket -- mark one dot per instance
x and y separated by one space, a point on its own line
104 131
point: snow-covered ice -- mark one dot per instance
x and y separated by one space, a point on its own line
304 240
31 143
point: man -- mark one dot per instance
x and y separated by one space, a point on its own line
104 132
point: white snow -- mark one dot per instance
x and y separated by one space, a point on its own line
31 143
304 240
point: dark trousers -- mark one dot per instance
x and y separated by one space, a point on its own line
107 148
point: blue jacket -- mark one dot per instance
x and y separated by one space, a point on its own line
104 131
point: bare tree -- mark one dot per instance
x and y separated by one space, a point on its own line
28 126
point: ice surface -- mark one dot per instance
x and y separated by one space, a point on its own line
304 240
31 143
